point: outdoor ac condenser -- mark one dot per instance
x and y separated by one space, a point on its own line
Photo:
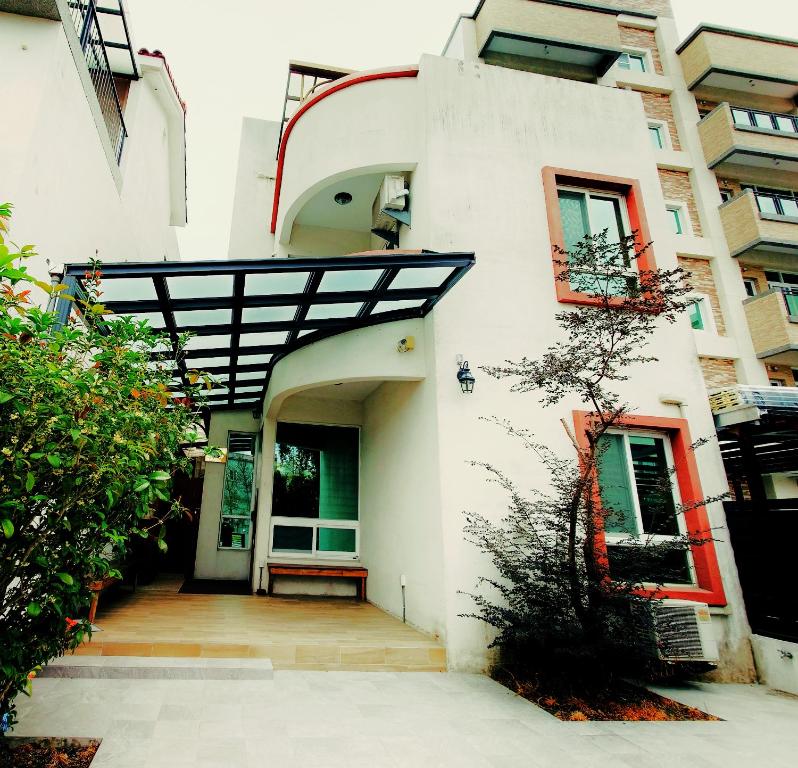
682 631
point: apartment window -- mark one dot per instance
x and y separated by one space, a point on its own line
239 478
657 136
777 382
635 62
751 286
726 195
586 212
641 504
771 121
696 313
675 217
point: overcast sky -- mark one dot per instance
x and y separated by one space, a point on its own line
230 59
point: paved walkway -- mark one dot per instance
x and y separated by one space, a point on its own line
411 720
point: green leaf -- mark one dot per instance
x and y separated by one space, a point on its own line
66 578
75 433
8 528
30 479
34 609
162 545
5 397
160 476
37 455
54 459
142 485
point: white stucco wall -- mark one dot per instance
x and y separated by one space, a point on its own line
55 170
212 562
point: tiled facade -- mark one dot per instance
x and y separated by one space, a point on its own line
632 37
676 186
702 281
718 372
658 107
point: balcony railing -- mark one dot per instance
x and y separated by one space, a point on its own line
771 399
84 17
767 121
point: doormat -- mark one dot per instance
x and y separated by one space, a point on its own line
215 587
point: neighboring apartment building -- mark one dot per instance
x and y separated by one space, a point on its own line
92 144
542 121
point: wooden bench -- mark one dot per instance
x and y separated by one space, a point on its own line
326 571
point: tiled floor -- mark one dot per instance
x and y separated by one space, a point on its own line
295 633
380 719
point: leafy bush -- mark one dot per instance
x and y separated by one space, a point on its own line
89 440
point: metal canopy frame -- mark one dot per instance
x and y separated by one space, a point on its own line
346 310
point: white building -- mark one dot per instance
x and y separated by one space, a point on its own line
92 151
349 436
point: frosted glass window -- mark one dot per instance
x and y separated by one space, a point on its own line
253 359
268 314
200 317
245 390
275 282
127 289
328 311
350 280
208 342
200 286
419 277
262 339
389 306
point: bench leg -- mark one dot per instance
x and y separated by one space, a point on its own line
269 585
363 589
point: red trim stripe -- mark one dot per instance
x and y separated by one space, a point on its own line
338 85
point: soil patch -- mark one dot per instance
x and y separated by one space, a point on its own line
619 701
47 753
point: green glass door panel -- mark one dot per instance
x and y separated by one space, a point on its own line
615 486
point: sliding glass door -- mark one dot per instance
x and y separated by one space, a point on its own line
315 493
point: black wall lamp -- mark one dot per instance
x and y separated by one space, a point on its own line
464 376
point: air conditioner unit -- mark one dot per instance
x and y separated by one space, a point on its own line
393 193
681 630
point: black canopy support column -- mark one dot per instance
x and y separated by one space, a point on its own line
750 464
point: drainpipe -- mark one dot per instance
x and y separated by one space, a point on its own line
56 277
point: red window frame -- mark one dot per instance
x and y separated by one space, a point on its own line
709 586
631 191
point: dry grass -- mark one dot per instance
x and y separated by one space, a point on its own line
44 754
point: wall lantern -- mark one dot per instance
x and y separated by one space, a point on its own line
465 377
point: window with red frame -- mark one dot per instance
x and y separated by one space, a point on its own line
580 204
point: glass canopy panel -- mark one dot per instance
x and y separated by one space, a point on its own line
330 311
128 289
305 333
277 282
207 362
200 286
268 314
421 277
349 280
208 342
199 317
246 390
254 359
389 306
262 339
249 375
154 319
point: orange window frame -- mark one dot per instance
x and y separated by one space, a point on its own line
632 193
709 584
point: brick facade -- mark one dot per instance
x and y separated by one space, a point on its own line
658 107
676 186
718 372
642 38
757 273
781 373
660 7
702 281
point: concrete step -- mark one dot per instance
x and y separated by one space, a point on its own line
158 668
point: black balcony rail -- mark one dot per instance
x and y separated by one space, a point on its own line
768 121
775 202
84 15
763 535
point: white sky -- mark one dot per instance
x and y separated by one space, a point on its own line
230 59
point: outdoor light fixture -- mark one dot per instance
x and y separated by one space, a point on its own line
343 198
466 378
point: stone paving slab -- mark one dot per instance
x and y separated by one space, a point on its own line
397 720
158 668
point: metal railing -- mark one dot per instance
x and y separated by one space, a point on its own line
771 121
84 18
781 399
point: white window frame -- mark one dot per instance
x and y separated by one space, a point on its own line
631 540
315 523
591 191
680 207
645 54
664 132
707 315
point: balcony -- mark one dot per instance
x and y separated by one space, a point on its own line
736 149
548 38
773 323
758 227
716 60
